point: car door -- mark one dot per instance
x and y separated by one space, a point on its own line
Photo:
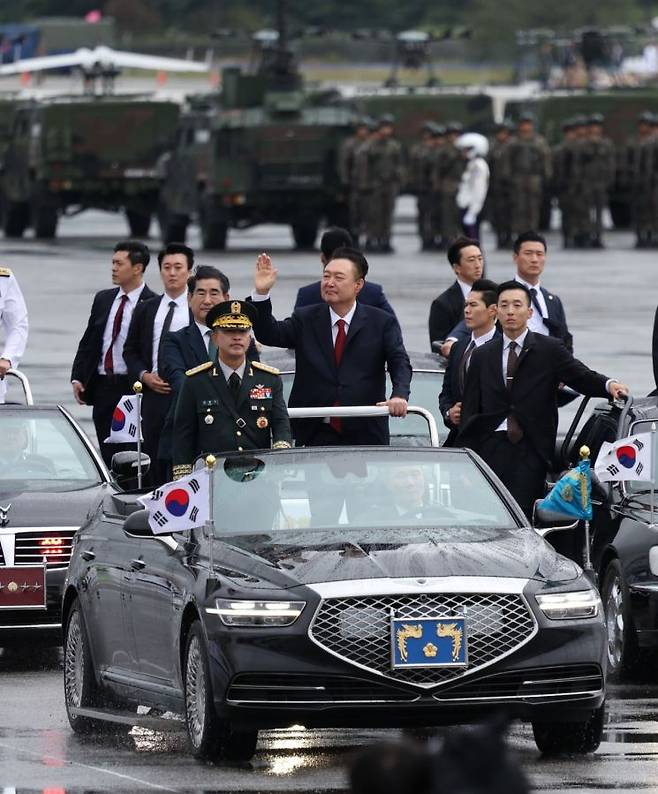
154 598
107 552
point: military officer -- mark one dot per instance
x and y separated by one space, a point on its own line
419 184
13 318
499 193
231 403
448 170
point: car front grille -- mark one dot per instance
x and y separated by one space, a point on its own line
541 683
358 630
32 545
282 688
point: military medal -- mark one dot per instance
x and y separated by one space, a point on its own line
209 419
262 422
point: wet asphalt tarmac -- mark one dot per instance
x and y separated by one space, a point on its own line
610 297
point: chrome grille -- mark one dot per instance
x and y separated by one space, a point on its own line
55 545
358 630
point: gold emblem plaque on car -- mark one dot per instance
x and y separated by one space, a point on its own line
435 642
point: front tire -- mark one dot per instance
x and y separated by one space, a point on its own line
139 223
570 738
80 688
622 648
211 739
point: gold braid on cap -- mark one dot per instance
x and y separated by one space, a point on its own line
182 470
281 445
233 321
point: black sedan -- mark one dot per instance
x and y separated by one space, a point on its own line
426 384
624 542
334 587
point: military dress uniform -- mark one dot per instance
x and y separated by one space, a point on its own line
13 319
211 416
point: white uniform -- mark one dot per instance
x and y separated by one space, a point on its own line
13 319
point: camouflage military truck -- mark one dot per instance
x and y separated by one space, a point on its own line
621 110
66 155
267 155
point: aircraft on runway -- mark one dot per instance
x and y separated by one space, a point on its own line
102 64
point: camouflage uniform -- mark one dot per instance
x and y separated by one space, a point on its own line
567 184
446 177
498 199
348 177
420 185
633 158
598 174
527 167
379 163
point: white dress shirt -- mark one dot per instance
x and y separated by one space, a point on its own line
482 340
336 317
205 332
228 371
465 288
536 322
13 319
180 319
120 367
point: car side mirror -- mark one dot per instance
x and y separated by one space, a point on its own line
124 466
137 523
546 521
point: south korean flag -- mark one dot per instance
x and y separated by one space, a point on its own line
125 421
627 459
181 505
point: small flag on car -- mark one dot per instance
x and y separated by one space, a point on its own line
627 459
125 421
572 493
180 505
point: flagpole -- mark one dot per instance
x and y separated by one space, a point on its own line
210 523
137 388
584 453
653 470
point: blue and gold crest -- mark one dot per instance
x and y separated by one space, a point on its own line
439 642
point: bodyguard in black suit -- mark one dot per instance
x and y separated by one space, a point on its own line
509 412
480 319
341 351
372 294
99 375
143 351
446 311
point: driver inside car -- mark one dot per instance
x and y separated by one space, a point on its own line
16 460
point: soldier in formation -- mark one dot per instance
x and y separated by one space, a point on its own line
347 157
639 172
499 192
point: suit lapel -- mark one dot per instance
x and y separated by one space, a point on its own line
358 322
197 344
527 347
322 329
495 351
245 383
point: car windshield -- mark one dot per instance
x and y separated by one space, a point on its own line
40 451
425 388
353 489
639 486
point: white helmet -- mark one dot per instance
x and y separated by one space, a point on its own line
477 144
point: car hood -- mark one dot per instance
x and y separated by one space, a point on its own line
289 559
61 509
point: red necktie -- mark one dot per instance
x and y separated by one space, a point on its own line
339 347
108 361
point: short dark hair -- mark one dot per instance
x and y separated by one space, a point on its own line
454 252
356 258
208 271
333 238
138 253
177 248
506 286
529 237
489 290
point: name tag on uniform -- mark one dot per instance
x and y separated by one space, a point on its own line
260 392
209 403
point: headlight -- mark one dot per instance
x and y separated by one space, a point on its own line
257 613
566 606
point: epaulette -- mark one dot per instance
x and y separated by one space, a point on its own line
266 368
200 368
5 271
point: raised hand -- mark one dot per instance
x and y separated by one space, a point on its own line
265 275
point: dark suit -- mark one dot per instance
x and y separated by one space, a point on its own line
101 391
543 364
138 355
445 312
372 294
374 340
452 390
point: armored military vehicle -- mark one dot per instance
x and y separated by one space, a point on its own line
66 155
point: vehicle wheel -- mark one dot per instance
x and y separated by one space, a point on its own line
304 233
570 738
620 211
45 221
623 650
239 745
173 228
203 725
16 218
80 689
214 230
139 223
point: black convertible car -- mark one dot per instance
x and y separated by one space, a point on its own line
335 587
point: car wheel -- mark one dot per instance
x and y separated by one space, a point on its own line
80 689
570 738
623 652
203 725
